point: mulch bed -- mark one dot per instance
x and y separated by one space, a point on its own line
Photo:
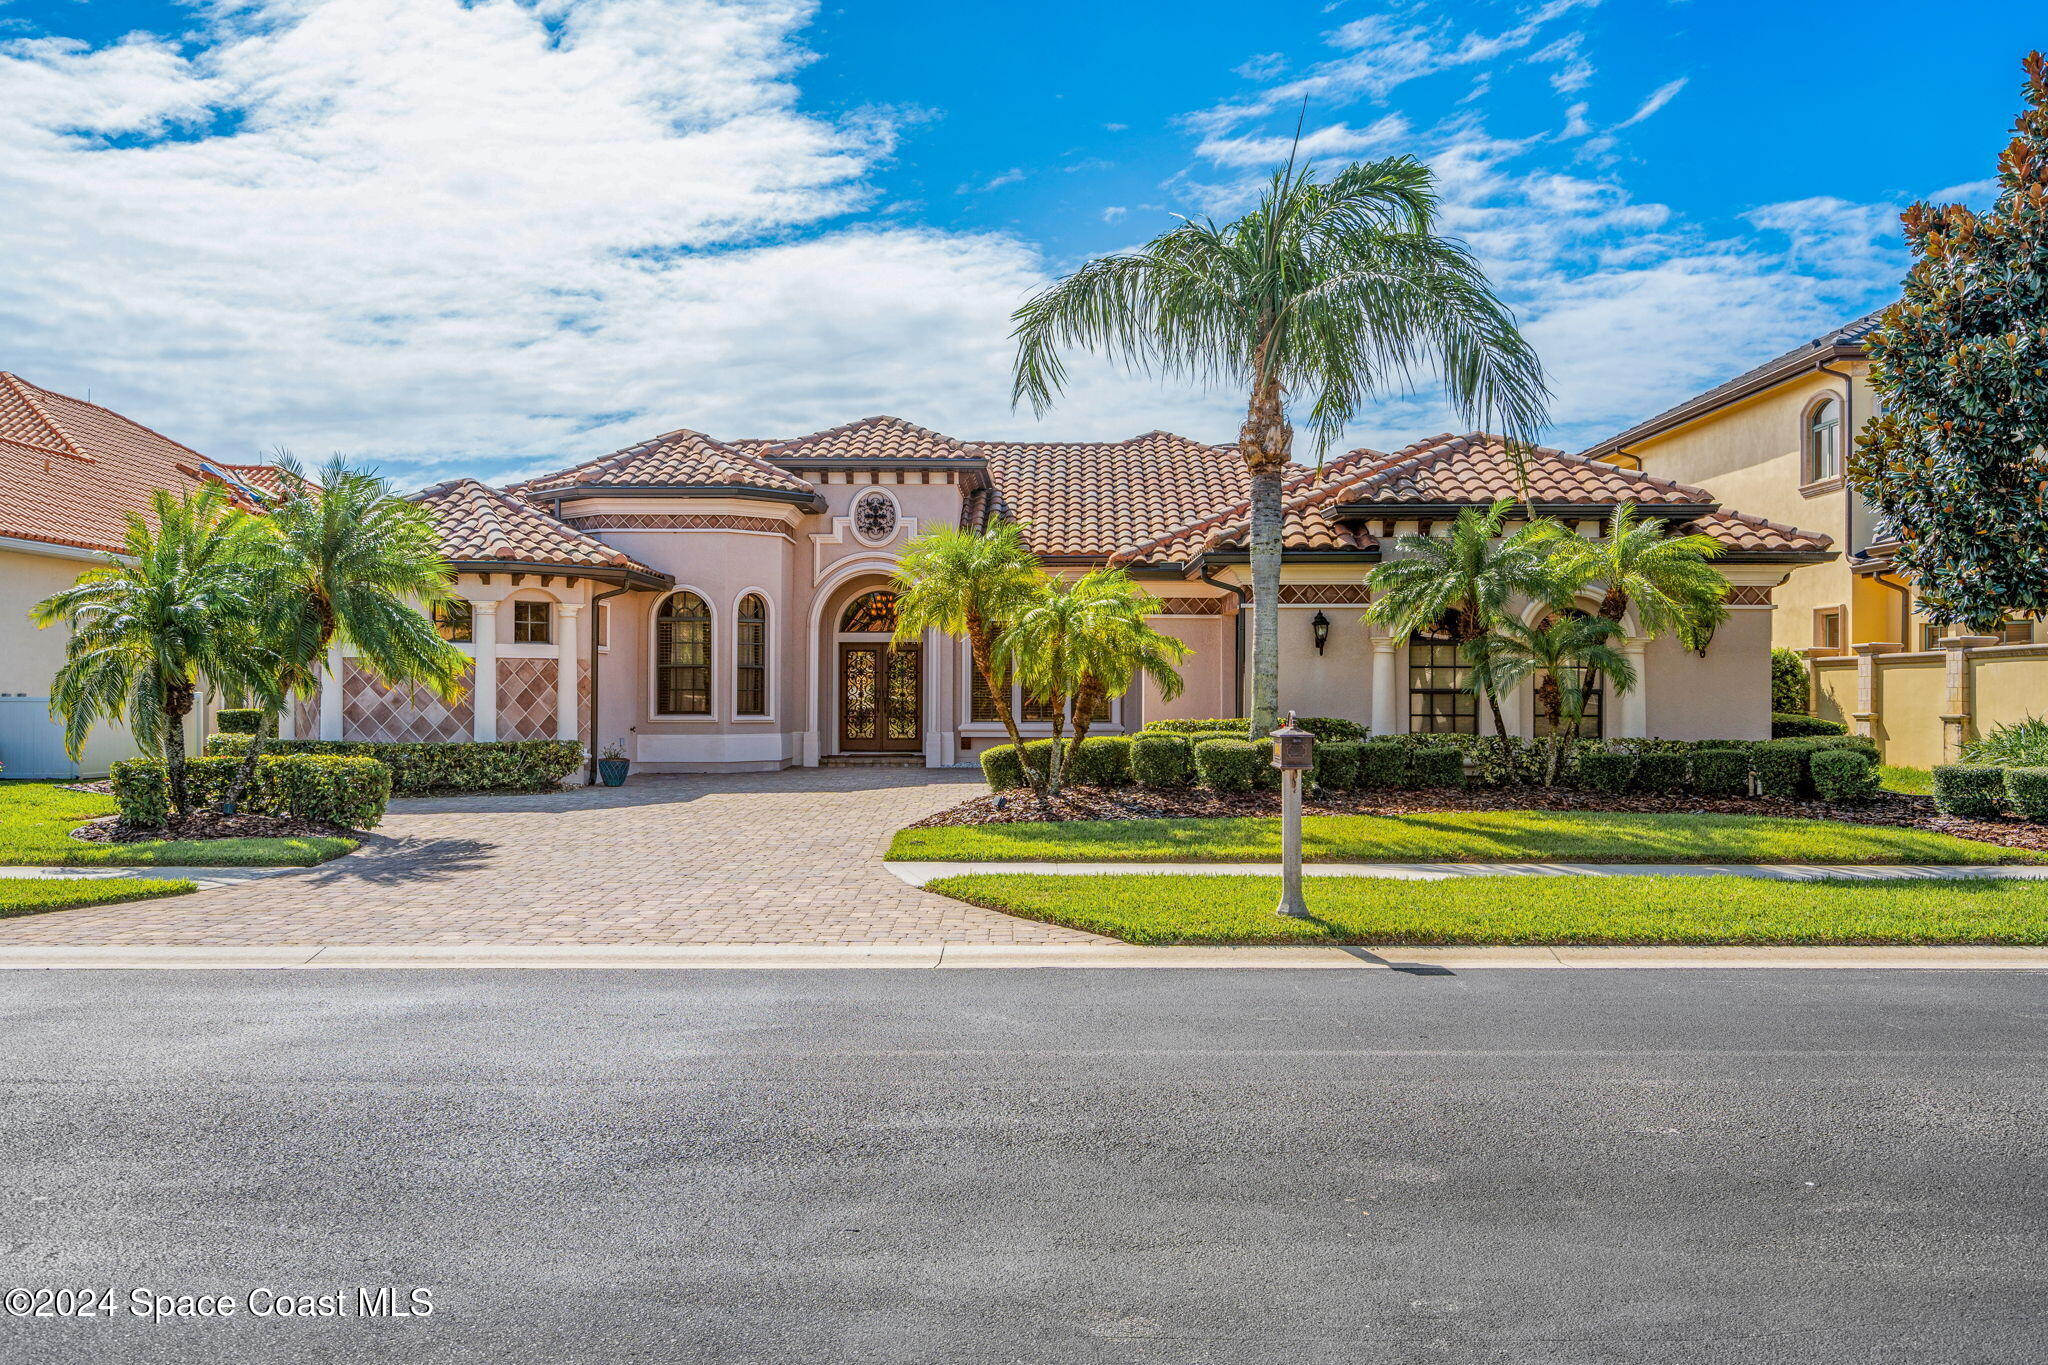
1142 803
212 825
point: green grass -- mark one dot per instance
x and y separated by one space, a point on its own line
1907 781
21 896
1180 908
36 820
1454 836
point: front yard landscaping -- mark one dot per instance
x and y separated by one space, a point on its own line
23 896
1184 909
1484 836
36 820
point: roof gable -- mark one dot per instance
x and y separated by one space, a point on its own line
680 458
871 438
479 524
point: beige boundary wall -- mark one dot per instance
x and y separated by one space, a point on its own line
1922 705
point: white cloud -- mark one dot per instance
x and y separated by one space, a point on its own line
995 182
1263 67
1336 139
1659 97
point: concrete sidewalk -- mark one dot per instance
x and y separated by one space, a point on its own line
924 873
206 878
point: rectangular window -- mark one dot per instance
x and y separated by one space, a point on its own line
2016 630
1589 718
981 705
1438 701
1930 635
530 623
1037 710
1827 628
601 627
752 681
454 621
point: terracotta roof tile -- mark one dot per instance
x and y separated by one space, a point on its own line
682 457
871 438
478 523
1743 532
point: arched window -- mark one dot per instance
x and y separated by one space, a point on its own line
750 686
1824 441
872 613
1440 699
682 656
1591 722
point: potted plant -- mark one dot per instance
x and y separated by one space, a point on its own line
613 765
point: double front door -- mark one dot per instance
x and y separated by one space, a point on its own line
881 687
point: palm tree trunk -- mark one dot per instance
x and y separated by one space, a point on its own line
177 704
1264 442
1084 709
999 693
1053 765
266 726
1471 629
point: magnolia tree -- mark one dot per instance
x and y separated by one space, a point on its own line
1957 462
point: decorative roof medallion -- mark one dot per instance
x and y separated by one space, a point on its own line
874 516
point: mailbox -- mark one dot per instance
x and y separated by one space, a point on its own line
1293 747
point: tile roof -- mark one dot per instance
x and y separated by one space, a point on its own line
72 471
871 438
682 457
482 524
1849 336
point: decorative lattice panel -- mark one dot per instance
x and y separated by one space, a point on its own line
306 714
526 699
370 710
584 723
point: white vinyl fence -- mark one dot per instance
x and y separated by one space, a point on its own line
32 744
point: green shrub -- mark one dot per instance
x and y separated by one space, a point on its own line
1436 765
439 766
1720 772
1780 768
141 792
1038 757
1333 729
1602 770
1231 765
2021 744
1661 774
239 720
1211 736
1236 727
1002 768
1102 761
1336 765
1791 726
1974 791
1843 776
341 790
1161 760
2027 791
1382 763
1790 693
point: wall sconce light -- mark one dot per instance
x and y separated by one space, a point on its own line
1321 626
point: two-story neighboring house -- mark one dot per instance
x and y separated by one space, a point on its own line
1774 441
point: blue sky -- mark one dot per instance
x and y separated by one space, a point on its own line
492 237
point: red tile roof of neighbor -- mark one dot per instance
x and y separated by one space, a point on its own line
480 524
72 471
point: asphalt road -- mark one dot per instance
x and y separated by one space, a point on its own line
1668 1166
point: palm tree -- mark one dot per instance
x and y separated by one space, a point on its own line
1465 580
342 558
1329 293
964 584
1116 645
1568 648
1666 578
148 626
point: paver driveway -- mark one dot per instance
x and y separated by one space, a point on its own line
788 857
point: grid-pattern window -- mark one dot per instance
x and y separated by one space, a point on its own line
454 620
1439 700
1035 709
1827 629
751 658
982 705
530 623
1824 441
682 656
1931 633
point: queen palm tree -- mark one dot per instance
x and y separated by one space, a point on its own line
1116 644
963 584
1329 294
1666 578
150 625
1568 648
1465 580
340 557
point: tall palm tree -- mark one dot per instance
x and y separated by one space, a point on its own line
1666 578
1117 644
148 626
963 584
1041 647
1568 648
1329 293
1465 580
342 558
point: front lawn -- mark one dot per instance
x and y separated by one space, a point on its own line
1181 908
1453 836
36 820
1906 781
32 896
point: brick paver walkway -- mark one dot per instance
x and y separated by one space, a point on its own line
788 857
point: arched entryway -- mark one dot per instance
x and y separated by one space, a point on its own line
878 682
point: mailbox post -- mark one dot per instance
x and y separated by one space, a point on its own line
1293 755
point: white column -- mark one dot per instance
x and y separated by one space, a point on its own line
484 630
567 652
330 695
1385 694
1635 703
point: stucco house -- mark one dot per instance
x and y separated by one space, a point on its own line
725 605
1775 440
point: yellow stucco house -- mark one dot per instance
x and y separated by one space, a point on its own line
1773 441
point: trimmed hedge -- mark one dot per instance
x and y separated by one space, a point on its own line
1102 761
1336 765
1660 774
1783 767
239 720
1236 727
1974 791
2027 791
1001 767
454 765
1720 772
1436 765
1791 693
1603 770
342 790
1845 776
1382 763
1788 725
1231 765
1161 760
